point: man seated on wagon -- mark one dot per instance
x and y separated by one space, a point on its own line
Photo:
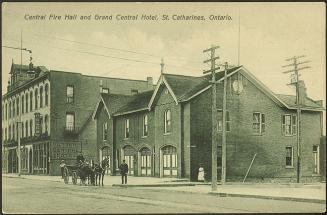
80 159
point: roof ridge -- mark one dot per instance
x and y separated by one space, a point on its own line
183 75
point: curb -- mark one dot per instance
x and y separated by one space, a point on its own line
152 185
320 201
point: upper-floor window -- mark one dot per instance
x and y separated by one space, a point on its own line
70 94
167 127
46 92
145 125
289 125
36 99
126 128
22 130
289 156
46 124
31 101
259 123
3 112
6 137
70 121
220 122
17 103
105 90
105 131
9 132
41 124
26 100
26 128
41 97
13 108
23 109
9 110
31 128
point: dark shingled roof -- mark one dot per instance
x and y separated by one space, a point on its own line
186 86
115 102
290 100
136 102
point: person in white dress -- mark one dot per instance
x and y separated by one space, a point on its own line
201 173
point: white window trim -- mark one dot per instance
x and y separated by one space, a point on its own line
165 120
104 127
292 165
143 134
260 123
125 129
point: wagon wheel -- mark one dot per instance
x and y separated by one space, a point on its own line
74 178
66 175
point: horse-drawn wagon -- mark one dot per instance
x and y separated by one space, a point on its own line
72 170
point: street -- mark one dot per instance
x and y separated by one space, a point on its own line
37 196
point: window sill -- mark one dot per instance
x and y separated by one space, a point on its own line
165 134
261 134
289 167
126 138
144 137
291 135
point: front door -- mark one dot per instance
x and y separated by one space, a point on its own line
316 159
169 161
30 165
145 162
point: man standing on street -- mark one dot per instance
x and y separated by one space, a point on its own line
123 172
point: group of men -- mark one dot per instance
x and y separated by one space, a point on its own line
80 159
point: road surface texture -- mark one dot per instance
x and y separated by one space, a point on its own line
37 196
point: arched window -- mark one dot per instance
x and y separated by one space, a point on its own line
22 130
167 128
13 108
26 98
46 89
31 128
145 125
31 101
26 128
46 124
23 109
9 132
9 110
41 97
17 101
36 99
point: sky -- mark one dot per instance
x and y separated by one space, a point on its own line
269 34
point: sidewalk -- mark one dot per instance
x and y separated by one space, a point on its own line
315 192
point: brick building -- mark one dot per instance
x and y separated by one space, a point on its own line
55 110
167 132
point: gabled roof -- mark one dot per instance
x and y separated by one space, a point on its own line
111 103
183 88
137 102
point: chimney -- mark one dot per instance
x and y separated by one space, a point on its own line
302 92
150 82
100 86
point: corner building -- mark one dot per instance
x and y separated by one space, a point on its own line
52 110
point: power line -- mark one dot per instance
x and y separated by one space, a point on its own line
111 48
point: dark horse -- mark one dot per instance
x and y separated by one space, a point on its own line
100 169
86 172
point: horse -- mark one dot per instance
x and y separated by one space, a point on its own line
100 170
86 172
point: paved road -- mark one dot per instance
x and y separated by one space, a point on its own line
36 196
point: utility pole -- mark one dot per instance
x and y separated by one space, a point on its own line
295 72
224 146
214 115
19 114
